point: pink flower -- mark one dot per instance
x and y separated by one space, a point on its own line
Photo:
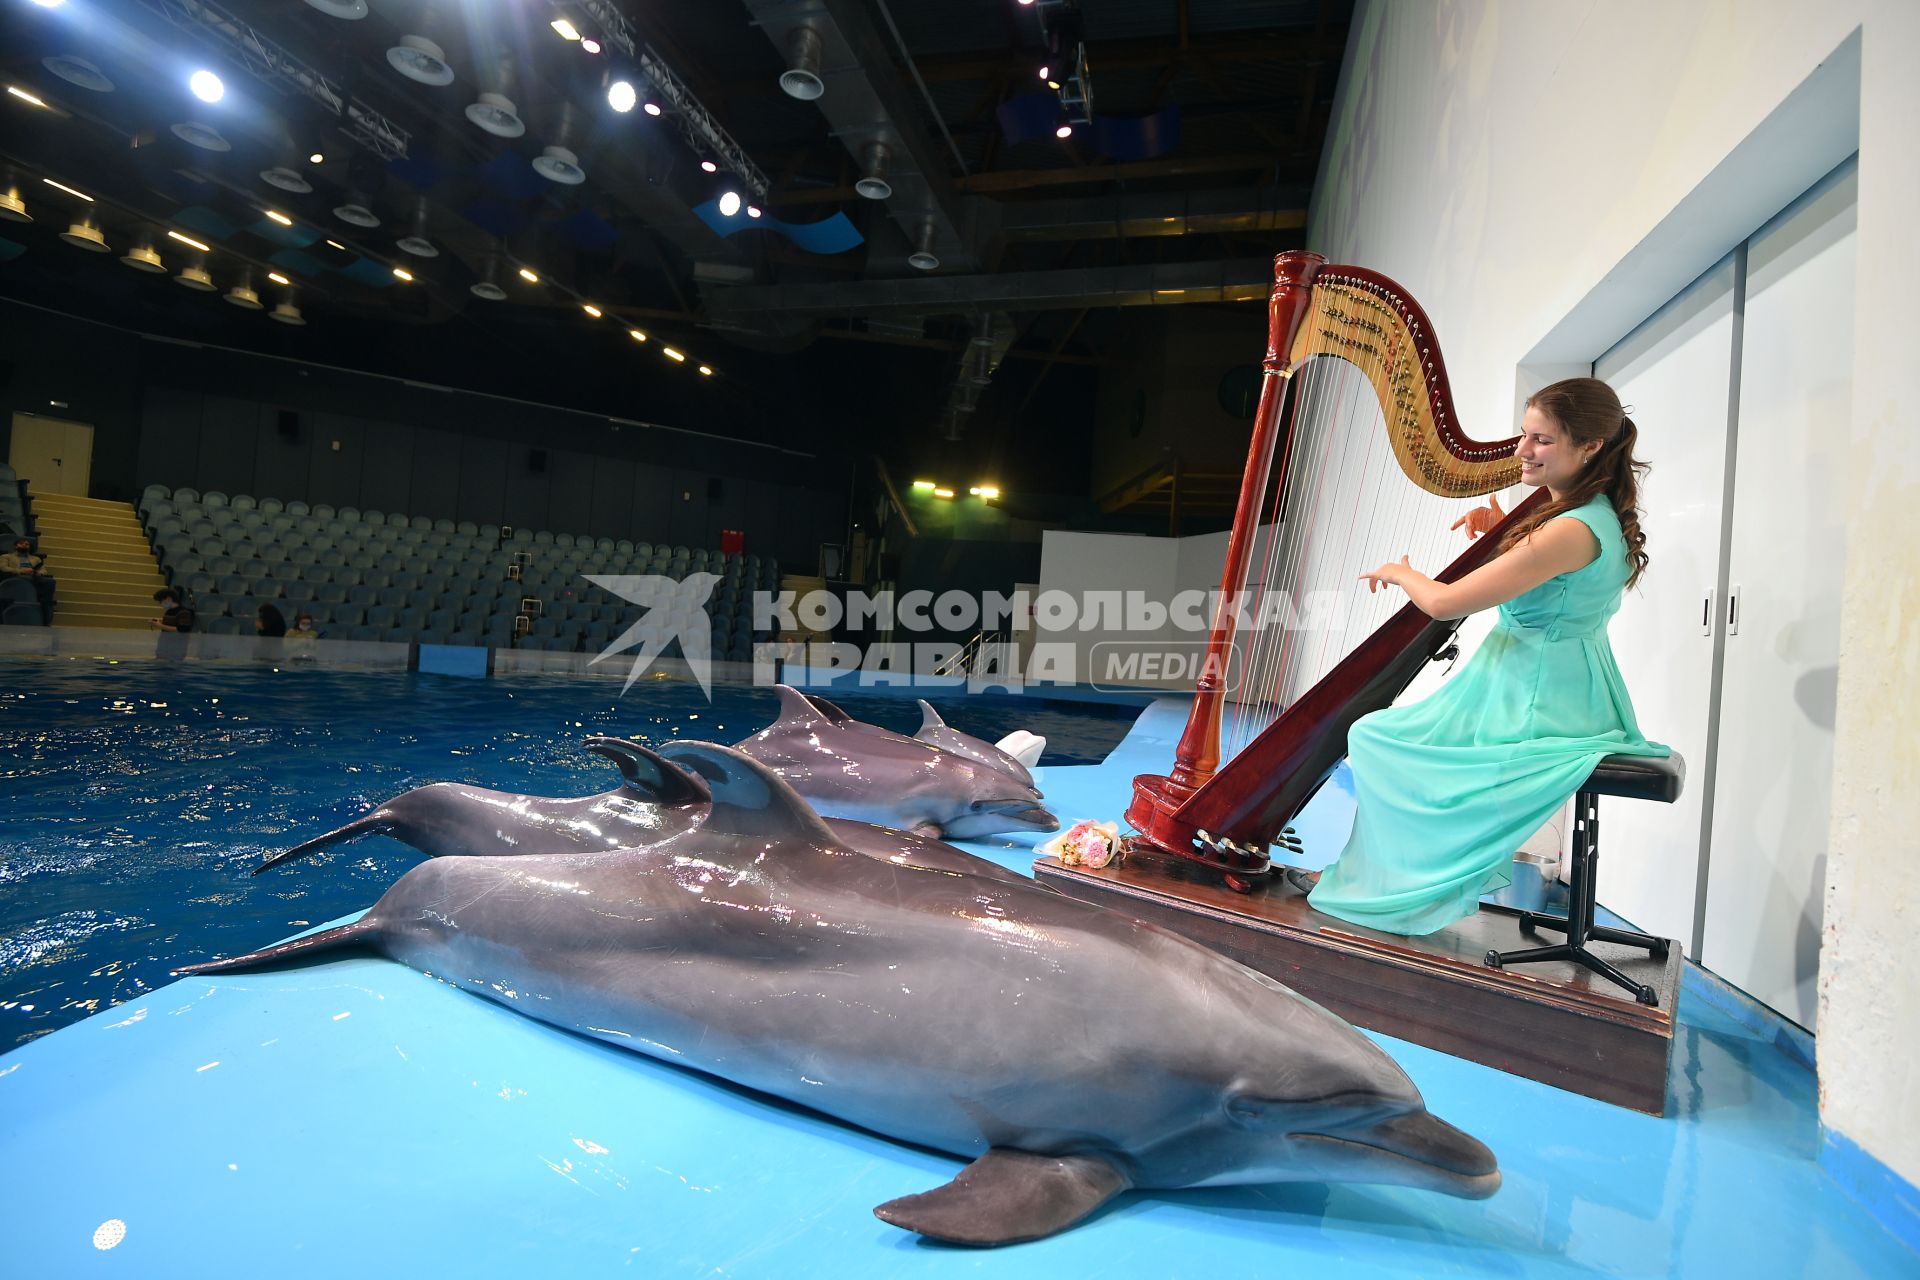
1085 844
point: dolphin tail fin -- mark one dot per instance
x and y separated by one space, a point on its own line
1007 1196
1023 746
377 823
358 934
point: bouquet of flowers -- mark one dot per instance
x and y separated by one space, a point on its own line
1085 844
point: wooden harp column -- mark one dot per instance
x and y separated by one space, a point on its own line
1225 817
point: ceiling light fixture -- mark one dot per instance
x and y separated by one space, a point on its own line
78 71
277 278
497 115
61 186
196 279
279 217
621 95
316 158
592 310
401 273
729 203
420 60
589 44
671 354
286 179
566 30
84 235
708 166
943 493
1064 131
802 79
336 244
873 185
557 164
529 276
706 371
24 96
1043 73
637 335
753 211
651 107
206 86
144 258
188 240
924 485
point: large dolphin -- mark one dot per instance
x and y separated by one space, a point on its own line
850 769
1067 1051
655 800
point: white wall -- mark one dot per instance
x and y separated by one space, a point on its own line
1503 159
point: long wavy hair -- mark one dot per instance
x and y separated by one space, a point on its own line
1588 410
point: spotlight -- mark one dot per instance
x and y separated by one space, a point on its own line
206 86
591 310
924 485
529 276
589 44
1064 131
1043 73
943 492
753 211
729 203
708 166
316 158
566 30
621 96
651 107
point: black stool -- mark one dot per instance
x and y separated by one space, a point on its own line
1638 778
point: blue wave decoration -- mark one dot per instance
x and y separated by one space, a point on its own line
829 235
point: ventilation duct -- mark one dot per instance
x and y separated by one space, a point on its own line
923 257
873 184
84 235
144 258
801 79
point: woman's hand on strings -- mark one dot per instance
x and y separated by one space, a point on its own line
1481 519
1394 573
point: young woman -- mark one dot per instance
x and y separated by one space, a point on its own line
1448 787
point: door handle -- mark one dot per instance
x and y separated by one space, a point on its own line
1706 613
1733 611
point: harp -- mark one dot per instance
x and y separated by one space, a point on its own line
1356 457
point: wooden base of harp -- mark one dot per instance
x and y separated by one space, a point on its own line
1558 1024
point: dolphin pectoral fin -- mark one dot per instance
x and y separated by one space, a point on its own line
660 780
927 831
1007 1196
361 933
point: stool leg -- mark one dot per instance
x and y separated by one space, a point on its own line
1579 925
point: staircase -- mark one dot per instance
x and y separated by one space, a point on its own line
98 554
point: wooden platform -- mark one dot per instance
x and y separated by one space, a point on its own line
1551 1022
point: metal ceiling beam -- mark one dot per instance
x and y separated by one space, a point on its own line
1175 213
1155 284
1173 167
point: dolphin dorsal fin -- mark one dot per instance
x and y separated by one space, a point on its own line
832 713
748 799
796 708
657 779
929 718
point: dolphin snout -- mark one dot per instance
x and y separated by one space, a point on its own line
1422 1150
1022 810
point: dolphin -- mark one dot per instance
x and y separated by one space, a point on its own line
1065 1050
654 801
939 733
850 769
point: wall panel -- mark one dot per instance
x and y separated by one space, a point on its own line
170 439
436 474
570 492
612 498
228 429
281 463
653 497
483 480
386 467
335 474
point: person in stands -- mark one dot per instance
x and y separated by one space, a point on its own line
176 615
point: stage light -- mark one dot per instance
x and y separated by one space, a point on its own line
1064 131
1054 85
926 485
206 86
401 273
529 276
753 211
621 96
591 310
708 166
316 158
943 493
729 203
279 217
673 355
984 491
566 30
24 96
637 335
61 186
589 44
188 240
652 108
1043 73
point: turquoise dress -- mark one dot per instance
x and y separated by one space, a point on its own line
1448 787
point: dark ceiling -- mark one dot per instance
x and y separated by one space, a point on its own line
1190 163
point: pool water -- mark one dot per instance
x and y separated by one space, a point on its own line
136 798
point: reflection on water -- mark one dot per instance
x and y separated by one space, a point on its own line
138 797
